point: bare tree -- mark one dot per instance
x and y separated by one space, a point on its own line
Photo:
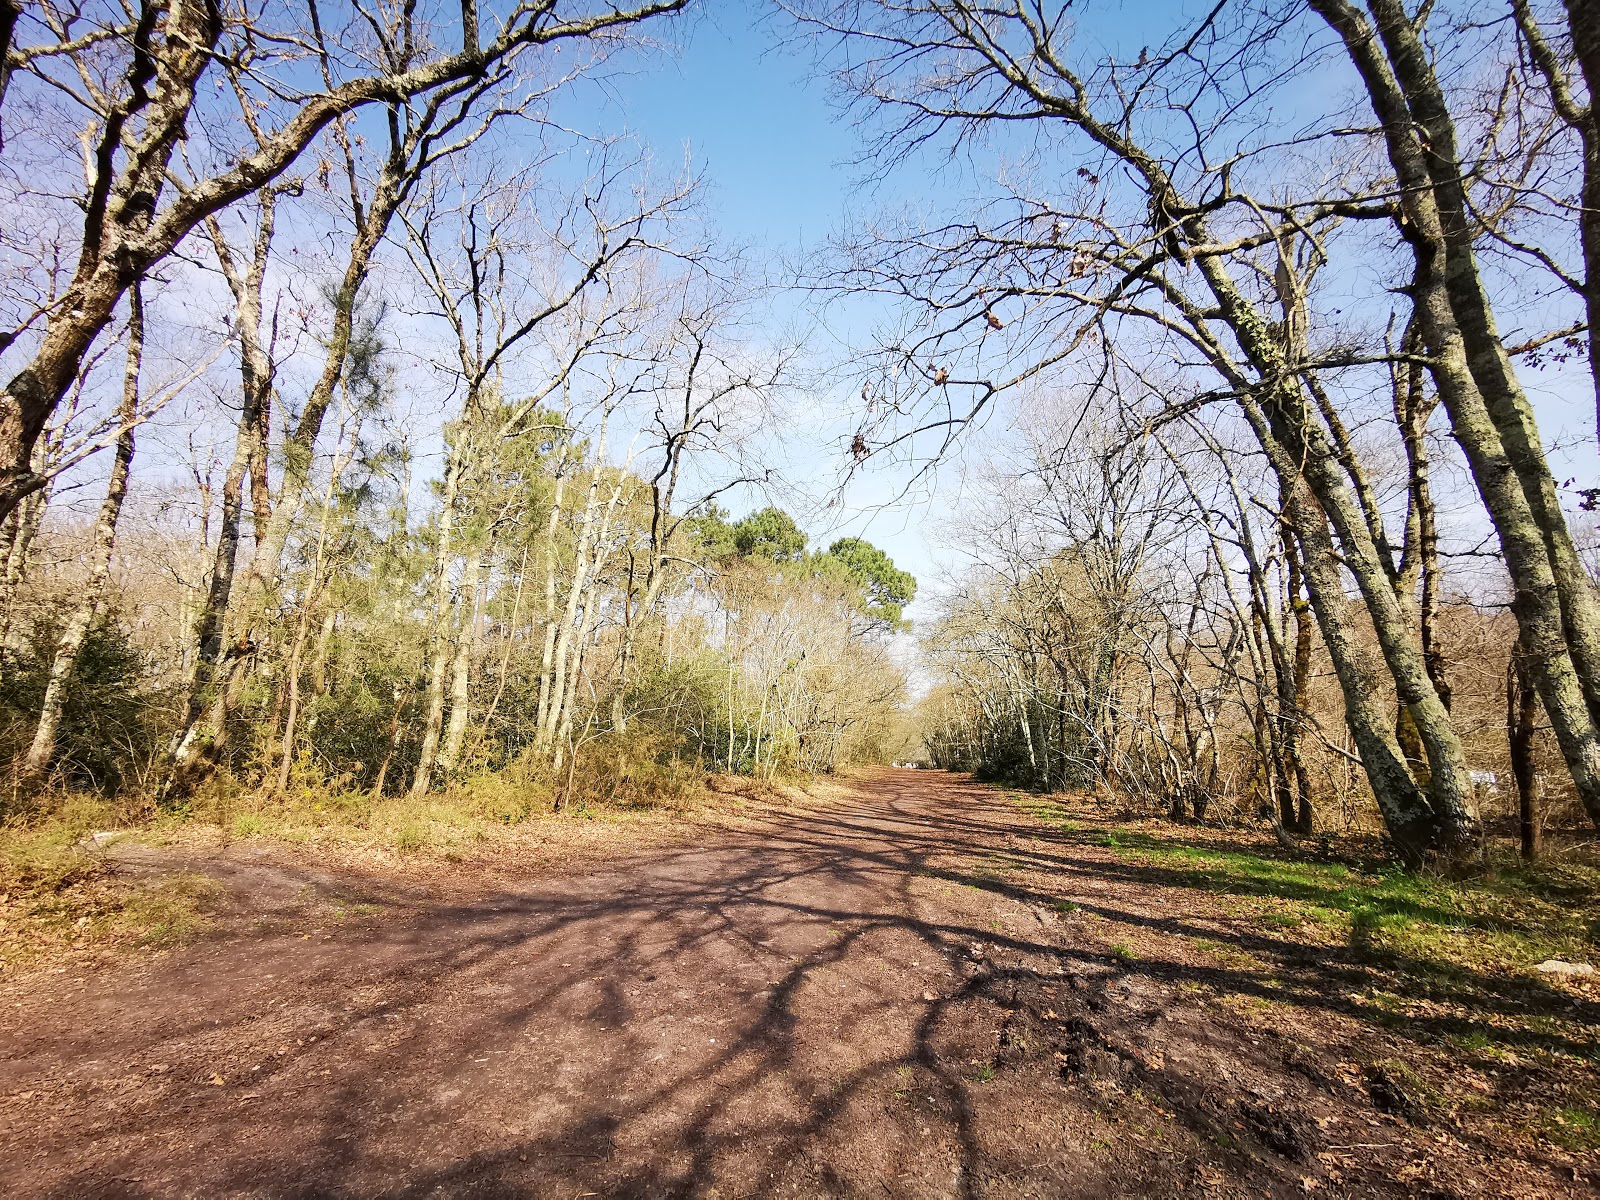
91 603
499 280
1556 605
143 109
1140 245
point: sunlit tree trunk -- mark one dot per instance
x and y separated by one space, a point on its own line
256 369
1522 719
1555 602
91 600
467 641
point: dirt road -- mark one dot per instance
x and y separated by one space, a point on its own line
832 1004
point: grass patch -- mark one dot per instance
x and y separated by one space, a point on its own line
167 912
410 838
614 784
1507 919
58 895
1457 944
1572 1127
1229 955
51 854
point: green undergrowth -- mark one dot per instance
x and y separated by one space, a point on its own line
1509 916
1459 951
1572 1127
58 893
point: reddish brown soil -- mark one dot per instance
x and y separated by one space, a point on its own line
839 1003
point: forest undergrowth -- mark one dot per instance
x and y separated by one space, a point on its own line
66 887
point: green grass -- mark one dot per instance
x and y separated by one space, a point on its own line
1473 1042
52 855
1509 918
410 837
1445 949
169 911
1572 1127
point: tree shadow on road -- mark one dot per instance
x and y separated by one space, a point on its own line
827 1005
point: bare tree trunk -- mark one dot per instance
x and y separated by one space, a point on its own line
1411 820
256 370
91 602
1303 459
505 657
308 606
203 737
1583 24
10 12
395 727
126 231
1522 717
22 526
1420 559
1291 669
585 564
1305 816
1583 20
465 656
548 656
1555 604
593 550
442 644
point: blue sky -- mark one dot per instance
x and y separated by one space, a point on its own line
772 147
775 155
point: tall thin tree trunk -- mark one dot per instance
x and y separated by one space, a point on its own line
256 370
1555 603
21 527
1522 719
548 655
442 644
10 13
308 606
505 656
1303 458
393 744
596 554
466 653
1305 816
201 741
91 601
1583 22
